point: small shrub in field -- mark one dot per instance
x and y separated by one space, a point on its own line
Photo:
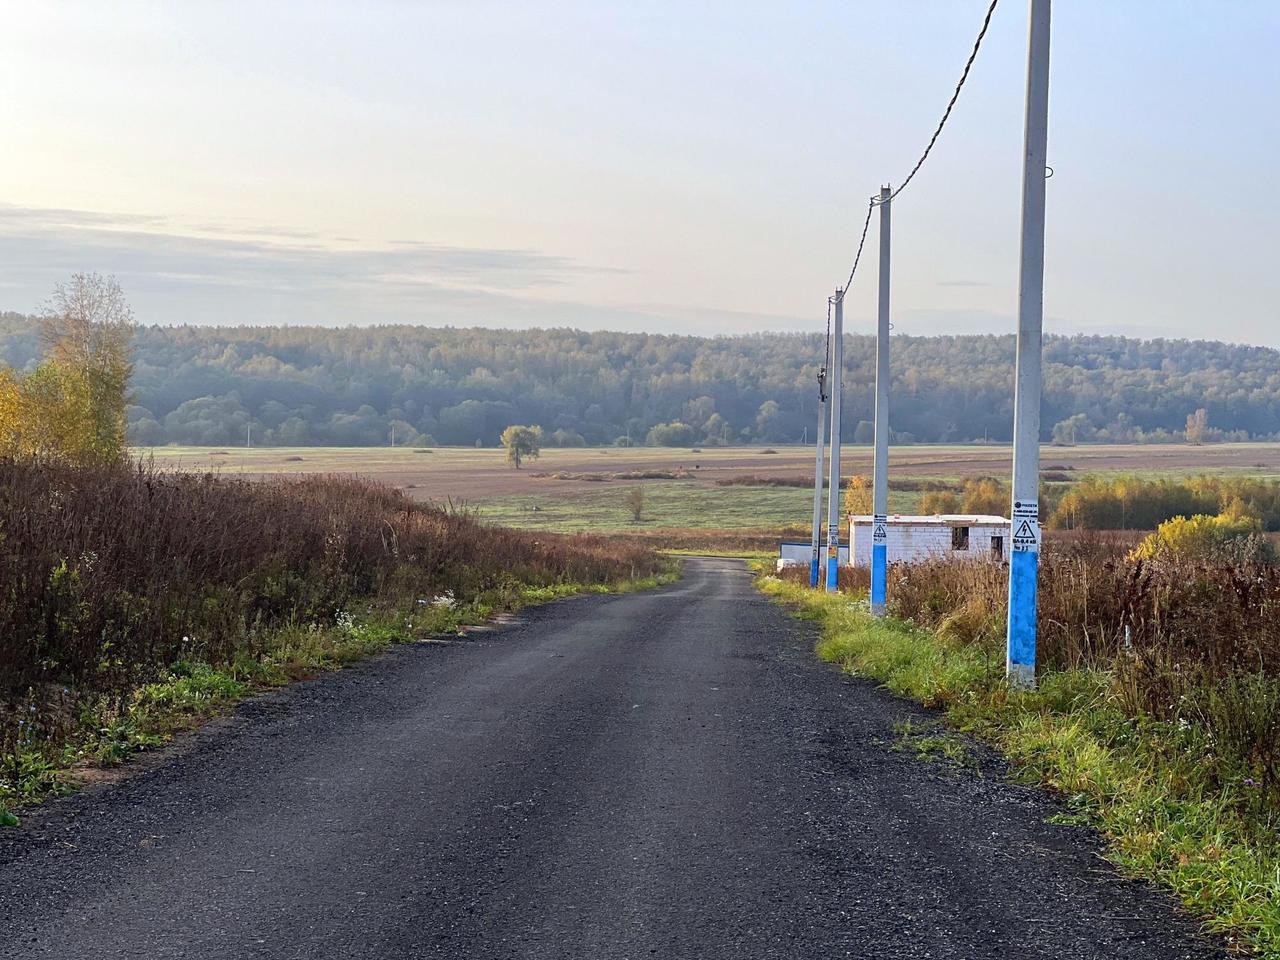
635 503
939 501
986 495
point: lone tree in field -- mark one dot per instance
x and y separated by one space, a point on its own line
522 442
1198 426
635 503
72 406
857 496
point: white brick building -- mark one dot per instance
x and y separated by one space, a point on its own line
911 539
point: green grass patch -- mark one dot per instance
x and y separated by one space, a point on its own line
1142 782
932 742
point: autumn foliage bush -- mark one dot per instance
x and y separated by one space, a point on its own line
1237 539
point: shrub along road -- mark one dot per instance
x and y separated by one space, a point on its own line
667 774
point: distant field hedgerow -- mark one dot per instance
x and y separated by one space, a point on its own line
1136 503
109 575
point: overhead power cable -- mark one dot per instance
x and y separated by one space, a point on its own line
858 256
946 114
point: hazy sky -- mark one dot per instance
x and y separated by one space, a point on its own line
696 167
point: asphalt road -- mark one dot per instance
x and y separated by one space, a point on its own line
669 774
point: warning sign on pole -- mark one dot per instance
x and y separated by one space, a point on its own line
1026 525
879 528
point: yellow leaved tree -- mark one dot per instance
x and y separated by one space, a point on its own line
857 496
72 406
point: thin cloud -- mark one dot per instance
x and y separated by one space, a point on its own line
14 215
253 230
38 246
228 273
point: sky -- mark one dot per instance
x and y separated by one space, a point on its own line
667 167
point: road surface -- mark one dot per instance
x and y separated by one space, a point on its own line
668 774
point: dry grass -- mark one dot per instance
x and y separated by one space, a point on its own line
108 576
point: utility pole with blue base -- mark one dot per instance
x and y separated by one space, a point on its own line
833 496
1024 557
880 464
815 557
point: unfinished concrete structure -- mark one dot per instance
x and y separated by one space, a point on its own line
914 538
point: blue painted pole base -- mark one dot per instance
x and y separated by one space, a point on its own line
1020 665
879 574
814 566
833 573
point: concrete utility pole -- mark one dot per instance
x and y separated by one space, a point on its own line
833 495
815 558
1024 557
880 463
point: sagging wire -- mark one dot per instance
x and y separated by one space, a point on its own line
876 200
973 55
858 256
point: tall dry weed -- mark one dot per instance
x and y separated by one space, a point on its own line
1186 640
109 573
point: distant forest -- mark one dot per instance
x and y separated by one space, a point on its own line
361 385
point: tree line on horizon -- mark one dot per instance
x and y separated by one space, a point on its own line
293 386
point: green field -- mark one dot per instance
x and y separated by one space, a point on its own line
668 503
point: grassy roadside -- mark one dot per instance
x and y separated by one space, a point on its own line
111 729
1142 782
